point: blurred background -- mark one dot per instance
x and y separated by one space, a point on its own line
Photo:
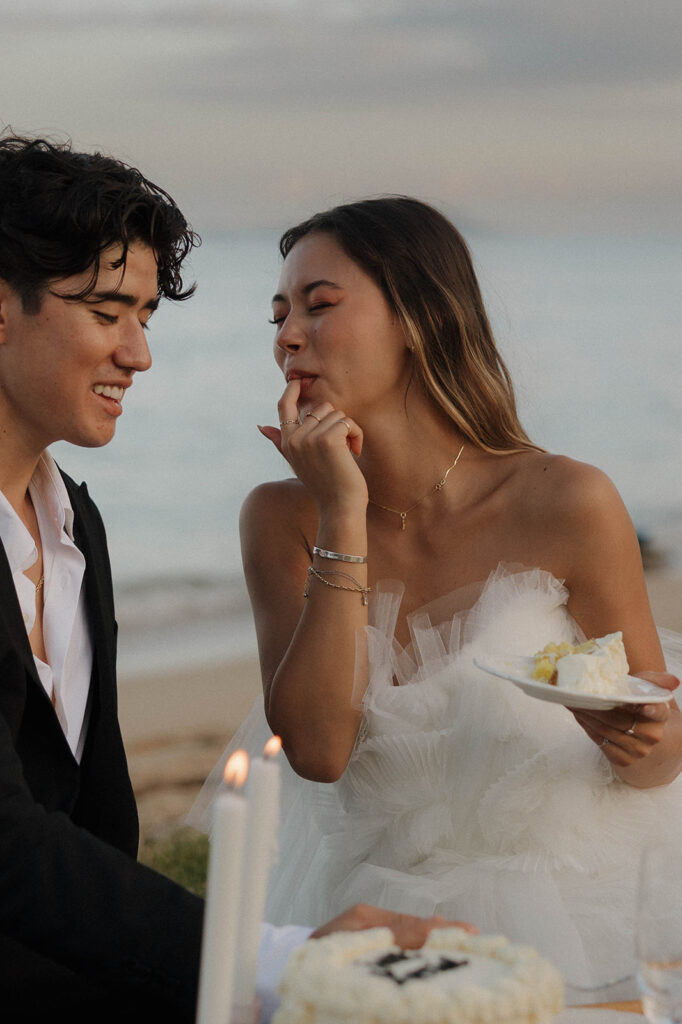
550 134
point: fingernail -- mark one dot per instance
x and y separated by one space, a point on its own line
650 711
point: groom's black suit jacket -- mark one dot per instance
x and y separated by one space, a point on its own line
77 912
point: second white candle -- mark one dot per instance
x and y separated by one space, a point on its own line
263 793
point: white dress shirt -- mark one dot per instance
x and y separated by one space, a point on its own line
276 946
66 635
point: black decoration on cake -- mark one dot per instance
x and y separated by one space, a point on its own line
414 965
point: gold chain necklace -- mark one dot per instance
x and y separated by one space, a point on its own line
436 487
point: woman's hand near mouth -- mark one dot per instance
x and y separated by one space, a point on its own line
320 448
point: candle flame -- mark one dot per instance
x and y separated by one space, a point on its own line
236 769
272 747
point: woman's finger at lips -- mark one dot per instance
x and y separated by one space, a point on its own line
287 407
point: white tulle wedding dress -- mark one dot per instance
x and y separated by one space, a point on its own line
466 797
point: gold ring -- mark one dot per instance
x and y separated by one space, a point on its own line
346 425
314 416
283 423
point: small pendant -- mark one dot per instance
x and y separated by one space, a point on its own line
403 516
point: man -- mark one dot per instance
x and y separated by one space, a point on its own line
88 247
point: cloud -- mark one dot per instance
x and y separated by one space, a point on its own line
512 109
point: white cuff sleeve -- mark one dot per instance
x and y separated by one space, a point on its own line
276 945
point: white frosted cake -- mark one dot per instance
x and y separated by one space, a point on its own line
596 666
455 978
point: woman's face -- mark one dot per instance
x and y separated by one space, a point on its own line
336 332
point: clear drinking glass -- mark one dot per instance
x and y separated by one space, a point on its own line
659 933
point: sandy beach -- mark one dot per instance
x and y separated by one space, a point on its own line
175 724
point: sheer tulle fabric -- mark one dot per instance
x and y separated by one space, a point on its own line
465 797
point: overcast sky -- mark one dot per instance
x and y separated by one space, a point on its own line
538 115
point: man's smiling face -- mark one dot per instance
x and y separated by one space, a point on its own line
65 369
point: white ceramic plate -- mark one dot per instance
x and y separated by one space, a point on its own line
518 670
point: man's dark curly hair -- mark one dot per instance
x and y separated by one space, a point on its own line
59 210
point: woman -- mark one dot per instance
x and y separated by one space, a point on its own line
453 792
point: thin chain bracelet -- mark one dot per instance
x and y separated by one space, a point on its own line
321 573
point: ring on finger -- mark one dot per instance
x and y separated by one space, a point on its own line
314 416
284 423
604 741
346 424
631 730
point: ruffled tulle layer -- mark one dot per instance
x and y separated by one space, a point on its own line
467 798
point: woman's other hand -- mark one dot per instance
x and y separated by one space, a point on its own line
409 932
643 741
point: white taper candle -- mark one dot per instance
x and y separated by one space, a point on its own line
225 877
260 852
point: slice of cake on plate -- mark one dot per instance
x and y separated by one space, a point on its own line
596 666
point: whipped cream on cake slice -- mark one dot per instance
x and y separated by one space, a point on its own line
596 666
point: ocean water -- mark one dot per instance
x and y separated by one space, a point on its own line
589 326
